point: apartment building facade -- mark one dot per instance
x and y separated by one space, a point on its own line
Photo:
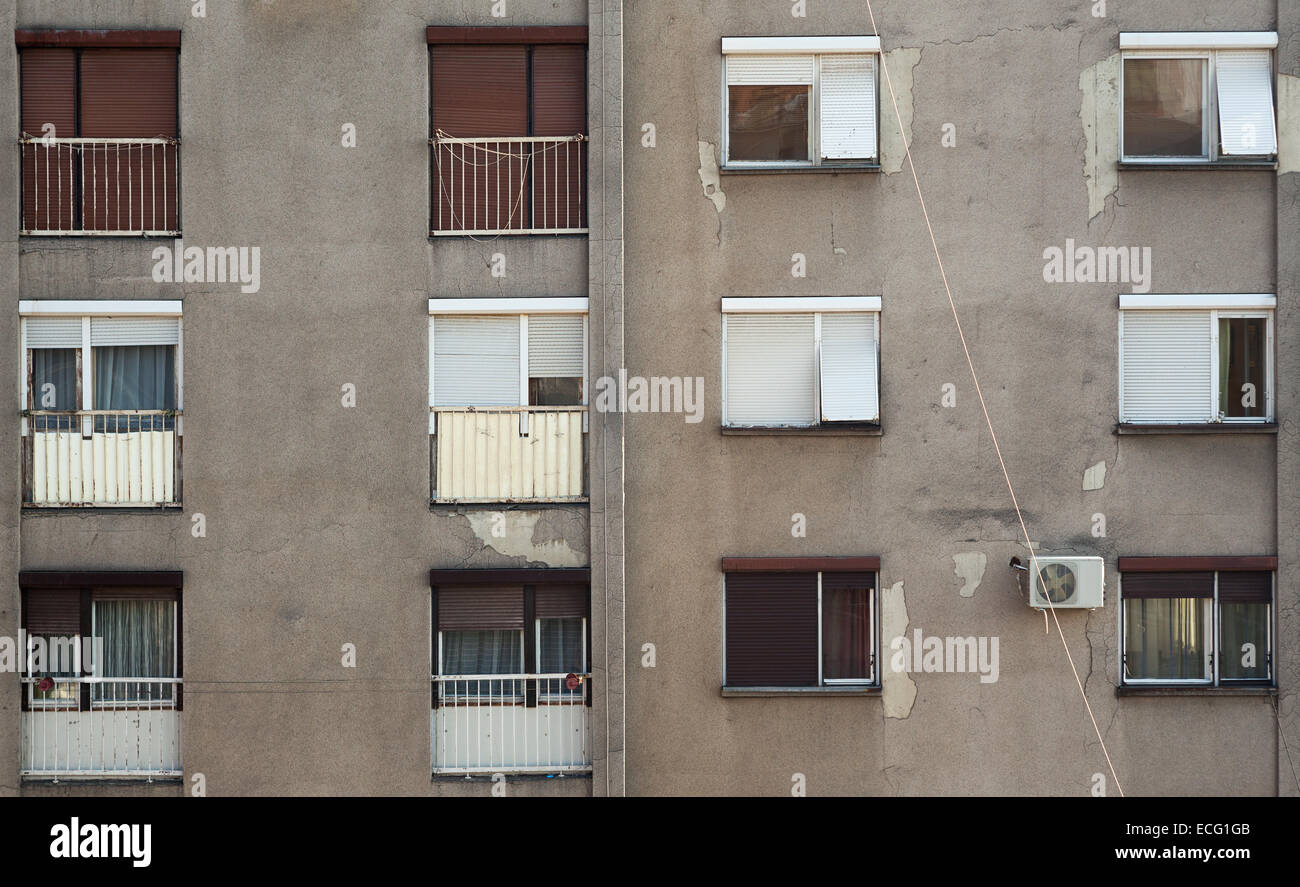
564 398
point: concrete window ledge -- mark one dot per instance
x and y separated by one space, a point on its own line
1256 165
847 430
1214 428
796 170
763 692
1195 691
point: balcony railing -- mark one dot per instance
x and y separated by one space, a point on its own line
518 723
105 187
102 458
497 186
509 454
92 726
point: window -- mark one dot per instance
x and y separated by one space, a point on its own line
800 101
791 630
508 127
800 362
508 387
99 132
1211 627
101 387
1187 360
102 678
1198 97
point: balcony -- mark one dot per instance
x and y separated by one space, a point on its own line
526 185
101 458
101 727
100 187
509 454
511 723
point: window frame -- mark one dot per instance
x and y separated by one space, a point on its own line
1202 45
1215 680
824 684
86 311
1217 307
814 48
816 307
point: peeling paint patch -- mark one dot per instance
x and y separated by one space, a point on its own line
970 569
1099 114
1095 477
1288 124
518 538
710 178
898 692
893 142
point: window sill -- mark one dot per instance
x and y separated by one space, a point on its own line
762 692
1207 164
170 508
1130 690
115 779
1207 428
788 170
847 429
511 505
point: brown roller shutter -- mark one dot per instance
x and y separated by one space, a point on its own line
560 109
1245 588
480 92
129 93
561 601
48 90
133 594
1167 585
771 629
53 612
481 609
849 580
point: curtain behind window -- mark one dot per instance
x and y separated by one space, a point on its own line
55 367
482 653
139 641
135 377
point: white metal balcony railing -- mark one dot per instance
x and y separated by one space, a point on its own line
519 723
97 186
92 726
509 454
525 185
122 458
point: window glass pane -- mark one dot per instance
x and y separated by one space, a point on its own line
846 634
139 641
1243 628
482 652
558 392
134 377
54 386
54 659
1164 109
1167 638
768 122
1242 362
562 645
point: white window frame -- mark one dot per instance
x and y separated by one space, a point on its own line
1215 653
85 310
1205 46
814 48
873 655
564 695
1219 306
816 307
521 308
108 705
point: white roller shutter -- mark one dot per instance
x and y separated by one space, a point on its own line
771 369
1166 367
476 361
134 331
554 346
1246 121
53 332
769 70
848 107
848 368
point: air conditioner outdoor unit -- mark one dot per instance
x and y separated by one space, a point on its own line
1067 583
